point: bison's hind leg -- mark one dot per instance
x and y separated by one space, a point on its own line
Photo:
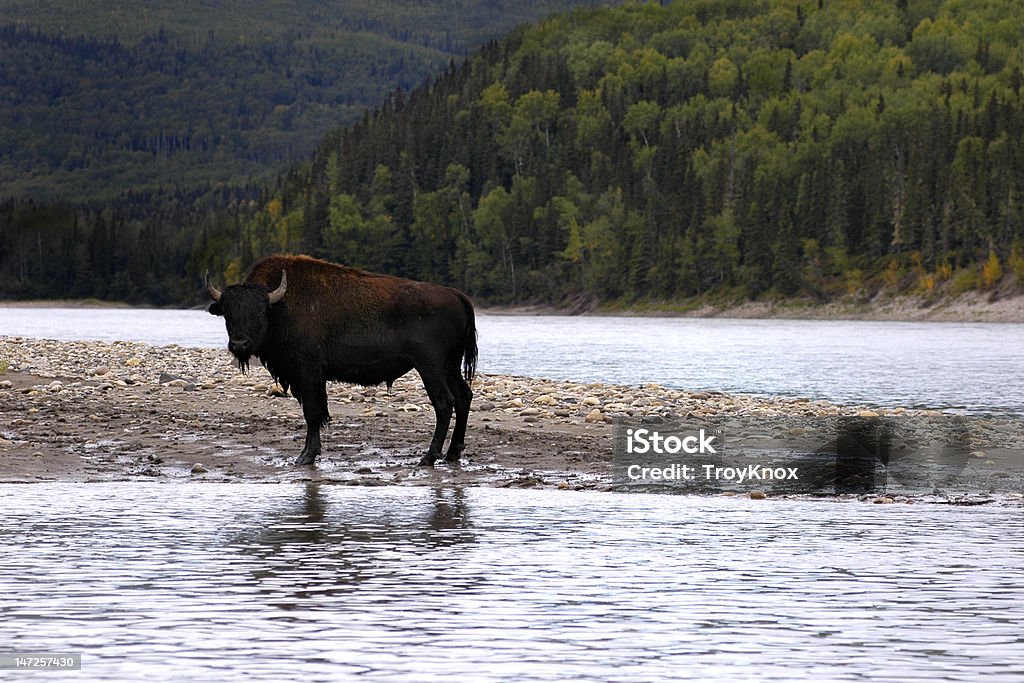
463 397
443 401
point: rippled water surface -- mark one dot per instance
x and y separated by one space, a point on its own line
964 367
300 582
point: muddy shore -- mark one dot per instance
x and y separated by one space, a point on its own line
93 411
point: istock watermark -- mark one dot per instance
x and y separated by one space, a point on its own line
677 472
821 455
695 456
643 440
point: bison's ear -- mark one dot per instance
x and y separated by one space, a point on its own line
215 309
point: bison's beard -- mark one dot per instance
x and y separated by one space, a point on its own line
243 362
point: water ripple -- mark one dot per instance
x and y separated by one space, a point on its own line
274 582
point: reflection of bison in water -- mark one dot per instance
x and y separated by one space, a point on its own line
310 321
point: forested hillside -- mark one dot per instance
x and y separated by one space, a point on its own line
106 97
751 148
725 148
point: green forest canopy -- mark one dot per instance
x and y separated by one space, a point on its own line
106 97
707 148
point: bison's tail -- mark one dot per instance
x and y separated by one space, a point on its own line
469 350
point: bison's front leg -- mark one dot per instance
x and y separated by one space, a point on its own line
314 410
311 449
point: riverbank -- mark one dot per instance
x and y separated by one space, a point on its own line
68 303
92 411
968 307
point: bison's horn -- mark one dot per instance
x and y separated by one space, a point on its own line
278 293
214 292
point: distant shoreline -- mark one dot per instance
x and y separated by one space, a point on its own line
970 307
66 303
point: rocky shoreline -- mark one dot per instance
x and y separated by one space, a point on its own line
93 411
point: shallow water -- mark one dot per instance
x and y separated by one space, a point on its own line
963 367
315 583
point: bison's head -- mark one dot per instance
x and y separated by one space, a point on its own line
246 308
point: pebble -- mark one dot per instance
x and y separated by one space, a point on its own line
198 468
78 364
758 495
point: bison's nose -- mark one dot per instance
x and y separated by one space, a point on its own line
238 345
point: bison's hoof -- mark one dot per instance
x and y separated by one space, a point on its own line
426 461
305 459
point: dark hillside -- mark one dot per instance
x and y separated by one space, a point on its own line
732 149
705 150
104 97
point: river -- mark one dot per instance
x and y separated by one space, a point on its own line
318 582
273 582
972 368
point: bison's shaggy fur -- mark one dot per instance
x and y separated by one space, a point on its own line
309 322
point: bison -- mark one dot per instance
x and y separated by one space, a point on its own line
309 322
